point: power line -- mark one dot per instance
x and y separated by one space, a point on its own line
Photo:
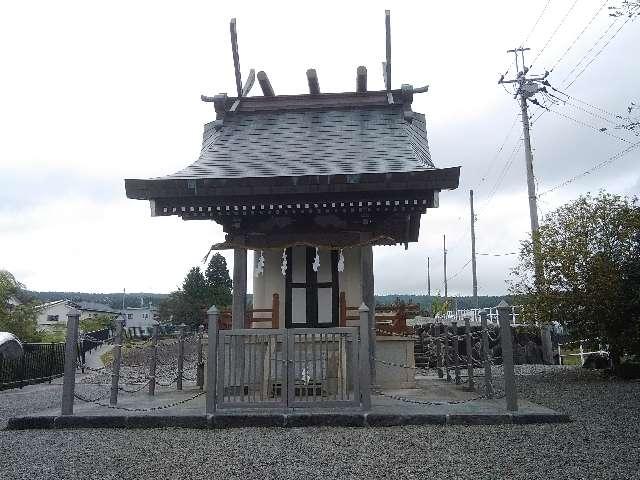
459 271
497 254
577 65
555 31
503 172
500 149
588 125
615 115
600 51
575 40
544 9
598 166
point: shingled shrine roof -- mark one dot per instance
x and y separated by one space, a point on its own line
317 142
318 139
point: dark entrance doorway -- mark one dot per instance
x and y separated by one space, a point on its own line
311 298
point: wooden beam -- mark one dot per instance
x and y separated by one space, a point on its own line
239 306
312 80
249 83
387 24
236 57
366 283
361 79
265 85
245 90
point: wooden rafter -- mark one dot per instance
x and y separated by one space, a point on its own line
312 80
361 79
387 23
236 57
265 85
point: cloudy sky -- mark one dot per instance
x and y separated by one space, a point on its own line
92 93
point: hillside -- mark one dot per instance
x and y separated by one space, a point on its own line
138 299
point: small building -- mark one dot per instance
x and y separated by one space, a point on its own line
310 183
139 322
52 316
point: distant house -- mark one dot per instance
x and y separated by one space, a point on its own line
52 316
140 321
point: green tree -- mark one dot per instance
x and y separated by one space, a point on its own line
199 291
590 251
21 319
218 281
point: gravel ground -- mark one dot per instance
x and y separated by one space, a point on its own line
602 443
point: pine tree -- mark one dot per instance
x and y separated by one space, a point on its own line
218 281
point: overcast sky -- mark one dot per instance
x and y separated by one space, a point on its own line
93 93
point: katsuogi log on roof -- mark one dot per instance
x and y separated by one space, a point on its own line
270 165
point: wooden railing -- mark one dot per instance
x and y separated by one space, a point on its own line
388 319
225 318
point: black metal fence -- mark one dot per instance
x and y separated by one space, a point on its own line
41 362
92 340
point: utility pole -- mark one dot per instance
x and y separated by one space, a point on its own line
428 277
444 250
473 251
527 87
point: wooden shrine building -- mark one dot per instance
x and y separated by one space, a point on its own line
310 183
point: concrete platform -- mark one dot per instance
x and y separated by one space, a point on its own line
434 402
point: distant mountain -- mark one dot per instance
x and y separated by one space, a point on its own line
114 300
425 301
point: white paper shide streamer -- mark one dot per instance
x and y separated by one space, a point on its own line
283 268
260 265
316 261
341 262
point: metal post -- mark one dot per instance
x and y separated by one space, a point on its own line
456 352
180 357
486 358
365 366
446 352
70 354
547 346
153 362
473 252
117 360
467 327
200 366
581 354
212 359
438 350
507 359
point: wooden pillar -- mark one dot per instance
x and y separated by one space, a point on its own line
239 307
212 359
486 359
467 327
70 356
275 311
365 371
504 314
117 360
366 276
456 352
153 362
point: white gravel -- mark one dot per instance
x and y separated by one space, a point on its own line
602 443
